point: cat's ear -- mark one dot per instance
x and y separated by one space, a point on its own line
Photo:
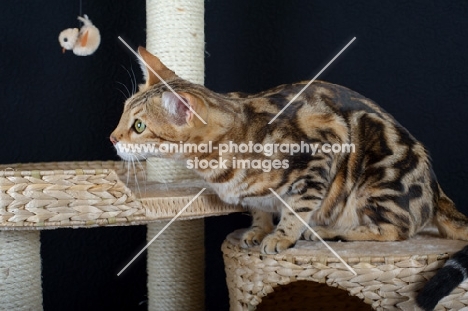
155 66
184 108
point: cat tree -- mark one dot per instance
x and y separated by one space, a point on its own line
41 196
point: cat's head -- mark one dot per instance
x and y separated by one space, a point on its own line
166 109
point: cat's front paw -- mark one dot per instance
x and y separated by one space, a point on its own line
252 237
276 243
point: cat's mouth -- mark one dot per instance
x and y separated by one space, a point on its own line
134 152
137 152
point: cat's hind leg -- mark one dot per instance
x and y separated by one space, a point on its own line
371 232
383 218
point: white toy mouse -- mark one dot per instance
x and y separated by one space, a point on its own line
84 41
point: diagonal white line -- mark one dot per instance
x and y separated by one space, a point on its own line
311 81
315 233
162 80
160 232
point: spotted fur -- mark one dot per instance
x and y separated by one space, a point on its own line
385 190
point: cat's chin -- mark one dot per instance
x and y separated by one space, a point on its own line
131 157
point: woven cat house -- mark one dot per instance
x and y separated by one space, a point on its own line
309 277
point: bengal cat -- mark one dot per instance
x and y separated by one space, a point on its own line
382 190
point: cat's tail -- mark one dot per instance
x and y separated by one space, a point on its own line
453 225
446 279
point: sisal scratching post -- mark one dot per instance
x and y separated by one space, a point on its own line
20 270
175 33
176 266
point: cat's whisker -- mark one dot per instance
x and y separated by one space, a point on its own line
135 175
134 80
142 168
153 166
138 166
139 162
129 94
131 164
125 96
128 171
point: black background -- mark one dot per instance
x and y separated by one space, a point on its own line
409 56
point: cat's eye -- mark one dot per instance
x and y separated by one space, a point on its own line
139 126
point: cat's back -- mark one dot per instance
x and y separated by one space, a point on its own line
321 95
325 106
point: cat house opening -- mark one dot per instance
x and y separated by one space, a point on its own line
305 296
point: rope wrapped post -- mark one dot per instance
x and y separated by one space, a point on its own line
175 33
20 270
176 266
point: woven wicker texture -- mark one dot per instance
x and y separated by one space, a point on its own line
389 274
60 196
20 271
87 194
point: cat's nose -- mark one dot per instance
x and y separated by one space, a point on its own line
113 140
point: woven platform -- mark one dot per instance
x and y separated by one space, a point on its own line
389 274
89 194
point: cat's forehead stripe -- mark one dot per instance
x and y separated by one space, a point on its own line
139 110
177 85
